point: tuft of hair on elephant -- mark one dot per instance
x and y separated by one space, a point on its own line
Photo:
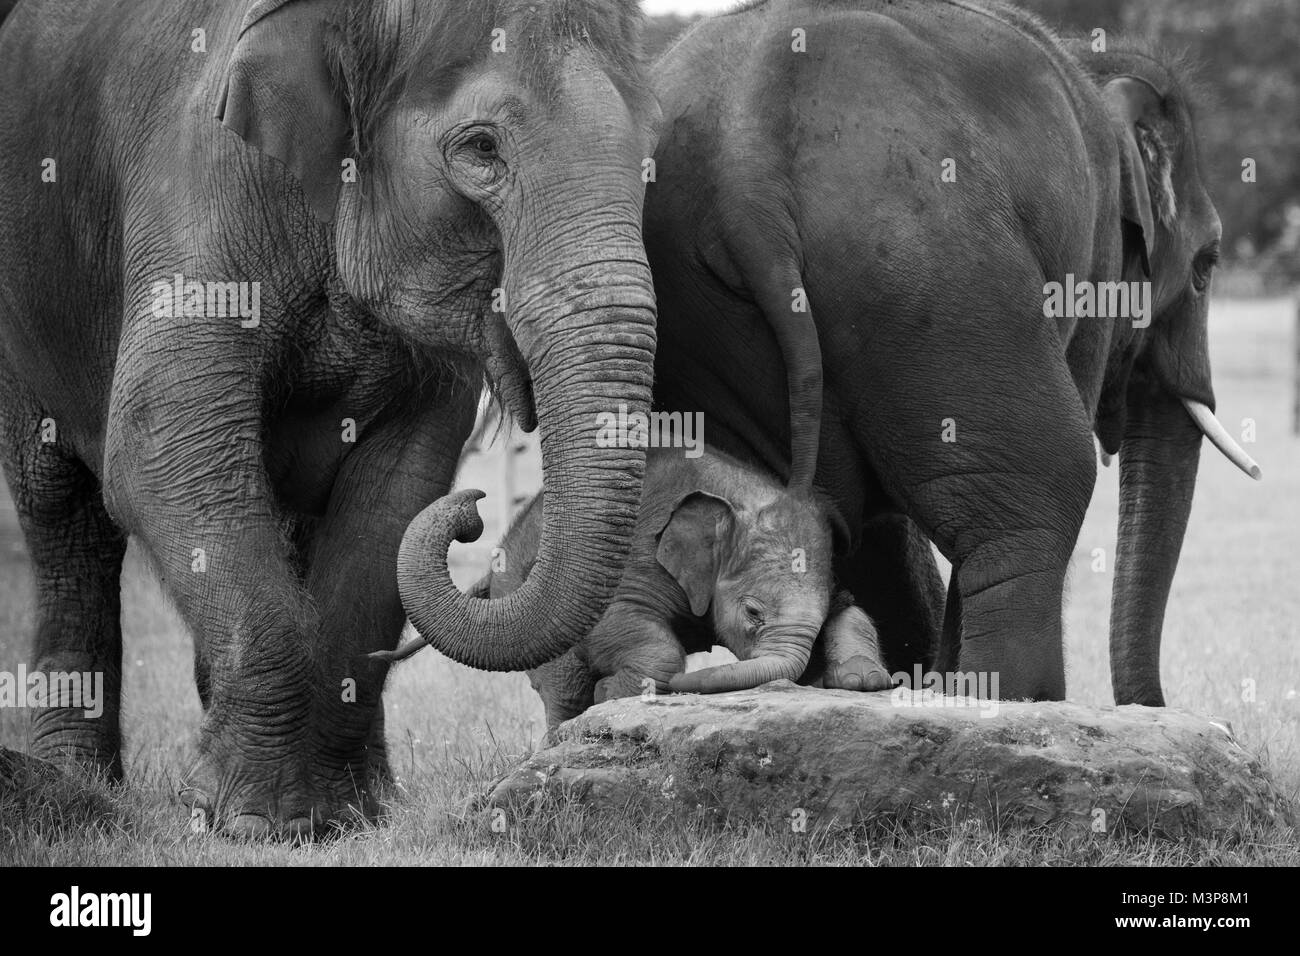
257 290
722 555
922 225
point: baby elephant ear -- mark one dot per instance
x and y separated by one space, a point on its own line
279 95
691 544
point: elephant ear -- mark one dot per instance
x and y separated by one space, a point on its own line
1134 106
691 544
280 97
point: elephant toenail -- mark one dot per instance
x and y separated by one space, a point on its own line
250 826
194 798
299 828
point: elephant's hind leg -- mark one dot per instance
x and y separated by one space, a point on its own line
987 446
76 553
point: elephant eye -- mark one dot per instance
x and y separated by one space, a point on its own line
484 147
476 155
1203 266
753 612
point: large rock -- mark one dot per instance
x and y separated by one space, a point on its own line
838 757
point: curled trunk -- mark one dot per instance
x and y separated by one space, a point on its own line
590 349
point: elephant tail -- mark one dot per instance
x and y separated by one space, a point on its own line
482 588
781 295
769 261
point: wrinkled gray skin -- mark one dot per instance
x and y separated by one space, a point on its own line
224 449
713 562
928 302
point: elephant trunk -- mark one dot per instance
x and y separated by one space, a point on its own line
589 343
1158 463
776 657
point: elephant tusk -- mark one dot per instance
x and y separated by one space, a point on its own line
1217 434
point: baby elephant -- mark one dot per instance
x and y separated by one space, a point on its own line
722 554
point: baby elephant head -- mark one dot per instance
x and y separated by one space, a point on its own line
761 572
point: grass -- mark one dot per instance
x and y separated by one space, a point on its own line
1231 651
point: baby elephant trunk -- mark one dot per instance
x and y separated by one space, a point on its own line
777 655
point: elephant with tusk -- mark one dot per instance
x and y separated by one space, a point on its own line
917 175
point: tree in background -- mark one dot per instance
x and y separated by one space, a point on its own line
1246 57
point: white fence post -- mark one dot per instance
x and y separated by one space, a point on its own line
1295 372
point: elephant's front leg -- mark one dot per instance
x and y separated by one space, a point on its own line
638 653
205 512
893 577
851 652
395 471
76 555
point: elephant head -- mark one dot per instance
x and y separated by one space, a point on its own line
479 163
1157 400
761 572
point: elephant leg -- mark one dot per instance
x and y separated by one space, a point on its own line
633 681
184 471
852 656
638 653
76 554
895 580
566 685
950 644
994 460
1011 564
351 575
379 772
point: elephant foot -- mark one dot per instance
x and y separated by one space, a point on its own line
627 683
284 799
79 747
852 653
858 673
378 771
612 688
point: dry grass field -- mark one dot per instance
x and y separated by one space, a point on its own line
1232 649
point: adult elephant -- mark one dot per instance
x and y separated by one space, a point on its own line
920 172
256 344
